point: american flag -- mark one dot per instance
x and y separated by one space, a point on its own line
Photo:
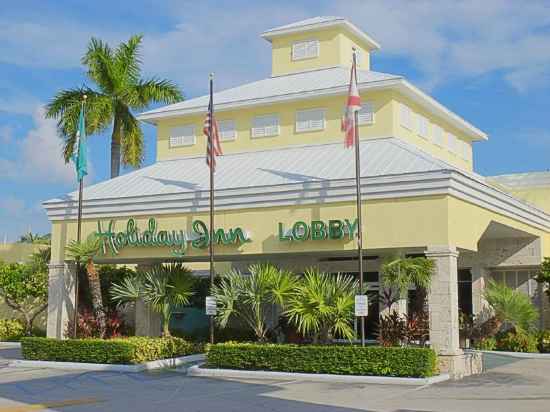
213 147
353 105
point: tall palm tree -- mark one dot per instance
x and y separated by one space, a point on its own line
163 287
87 250
120 89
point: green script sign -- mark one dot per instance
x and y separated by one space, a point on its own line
177 240
319 230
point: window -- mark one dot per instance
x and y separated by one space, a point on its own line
264 126
522 280
305 50
366 114
453 143
438 135
309 120
423 126
227 130
406 117
182 136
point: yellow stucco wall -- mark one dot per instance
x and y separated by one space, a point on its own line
335 48
427 143
538 196
334 107
389 224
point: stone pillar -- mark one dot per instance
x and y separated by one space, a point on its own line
147 321
480 276
61 298
443 308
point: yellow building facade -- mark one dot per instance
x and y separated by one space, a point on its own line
285 186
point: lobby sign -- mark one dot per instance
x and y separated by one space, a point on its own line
318 230
177 240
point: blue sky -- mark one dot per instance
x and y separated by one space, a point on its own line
487 61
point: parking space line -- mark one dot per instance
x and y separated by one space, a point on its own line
46 405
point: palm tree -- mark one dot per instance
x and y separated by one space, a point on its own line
322 306
401 273
120 89
246 297
510 305
87 250
163 287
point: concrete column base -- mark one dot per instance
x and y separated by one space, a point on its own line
459 366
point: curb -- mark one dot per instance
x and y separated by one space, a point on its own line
103 367
521 355
197 371
10 345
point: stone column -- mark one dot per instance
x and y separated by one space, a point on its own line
480 275
443 308
147 321
61 298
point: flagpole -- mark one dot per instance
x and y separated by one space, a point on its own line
211 156
78 238
358 197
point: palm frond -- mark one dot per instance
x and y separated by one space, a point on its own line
86 249
153 90
132 139
511 305
128 60
101 68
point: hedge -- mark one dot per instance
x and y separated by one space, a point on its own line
332 359
131 350
11 330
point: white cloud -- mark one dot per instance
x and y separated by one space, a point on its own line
39 155
18 217
19 103
12 206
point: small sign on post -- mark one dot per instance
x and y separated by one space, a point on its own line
211 306
361 305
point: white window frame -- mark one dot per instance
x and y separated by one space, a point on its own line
313 125
225 138
255 132
438 135
406 117
423 127
306 44
180 134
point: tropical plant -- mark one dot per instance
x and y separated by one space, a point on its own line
88 326
417 328
516 341
164 287
511 305
322 305
35 238
86 251
402 273
120 89
246 297
543 277
392 329
24 288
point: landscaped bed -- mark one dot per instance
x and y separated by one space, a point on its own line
120 351
324 359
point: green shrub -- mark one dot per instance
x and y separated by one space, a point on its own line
516 341
333 359
115 351
543 341
11 330
485 344
221 335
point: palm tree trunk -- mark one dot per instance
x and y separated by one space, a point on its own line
97 301
115 149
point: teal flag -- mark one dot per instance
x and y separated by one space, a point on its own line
80 157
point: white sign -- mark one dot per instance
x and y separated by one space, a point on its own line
211 306
361 305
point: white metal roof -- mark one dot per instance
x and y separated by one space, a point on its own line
303 164
320 22
522 180
288 86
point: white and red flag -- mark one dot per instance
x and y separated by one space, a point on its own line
353 105
213 146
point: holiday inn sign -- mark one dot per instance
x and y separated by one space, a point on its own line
179 241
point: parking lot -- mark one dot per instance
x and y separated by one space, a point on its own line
508 385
